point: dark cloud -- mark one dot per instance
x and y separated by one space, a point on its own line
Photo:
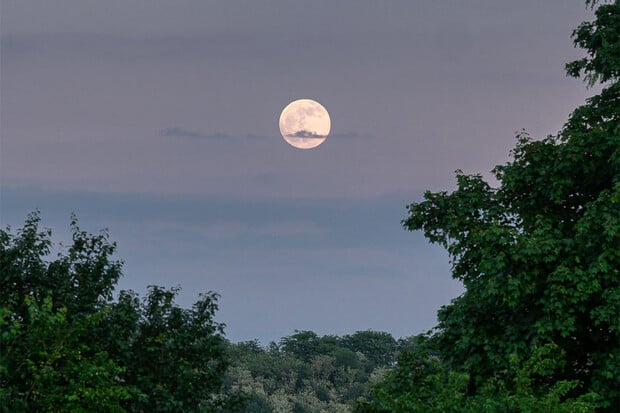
305 134
344 135
185 133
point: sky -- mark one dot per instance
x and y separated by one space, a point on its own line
158 120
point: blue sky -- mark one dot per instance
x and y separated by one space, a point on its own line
158 121
278 265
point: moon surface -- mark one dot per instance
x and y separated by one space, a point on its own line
304 123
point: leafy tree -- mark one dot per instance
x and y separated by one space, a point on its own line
307 372
540 254
81 279
302 344
600 39
379 347
423 383
66 346
46 364
175 356
49 313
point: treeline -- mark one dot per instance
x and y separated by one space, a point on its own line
305 372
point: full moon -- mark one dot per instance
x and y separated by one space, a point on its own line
304 124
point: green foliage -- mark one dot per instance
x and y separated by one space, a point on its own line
378 347
422 383
48 363
49 313
540 259
304 345
600 39
307 372
175 356
66 346
81 279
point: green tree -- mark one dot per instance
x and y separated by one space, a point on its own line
80 279
379 347
66 346
539 255
50 310
47 364
308 372
421 382
305 344
175 356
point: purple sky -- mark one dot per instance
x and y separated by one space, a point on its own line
159 121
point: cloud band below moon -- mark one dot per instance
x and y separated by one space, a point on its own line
305 134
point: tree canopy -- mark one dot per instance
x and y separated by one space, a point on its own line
65 345
305 372
539 255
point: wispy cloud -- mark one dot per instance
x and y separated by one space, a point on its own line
348 135
185 133
253 136
177 132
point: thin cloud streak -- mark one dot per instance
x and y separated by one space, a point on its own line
177 132
185 133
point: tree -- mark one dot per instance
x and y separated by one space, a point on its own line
65 345
539 255
175 356
49 312
303 345
421 382
308 372
47 364
378 347
80 279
